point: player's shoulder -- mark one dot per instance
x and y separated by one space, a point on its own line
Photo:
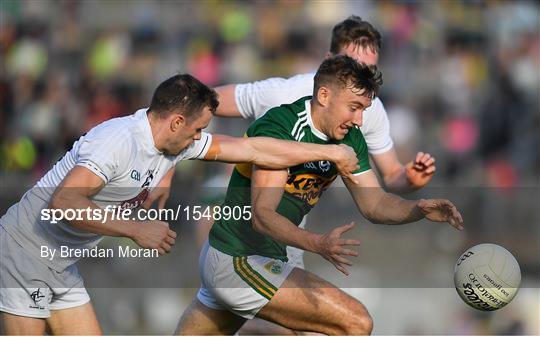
290 111
354 133
300 80
113 126
376 108
289 89
354 138
120 132
296 82
375 116
306 79
285 116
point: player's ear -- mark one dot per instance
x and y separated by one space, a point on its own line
328 55
177 122
323 96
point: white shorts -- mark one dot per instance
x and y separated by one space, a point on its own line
239 284
29 288
296 255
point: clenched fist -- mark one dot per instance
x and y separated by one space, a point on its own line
155 235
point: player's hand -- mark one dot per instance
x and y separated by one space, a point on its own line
159 194
331 246
441 210
420 171
345 160
155 235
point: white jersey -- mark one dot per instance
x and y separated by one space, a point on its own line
254 99
122 153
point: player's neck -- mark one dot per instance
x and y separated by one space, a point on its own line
158 129
317 116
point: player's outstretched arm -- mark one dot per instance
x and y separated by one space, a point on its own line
279 154
385 208
399 178
227 102
266 194
74 193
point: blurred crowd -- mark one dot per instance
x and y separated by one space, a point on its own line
461 77
461 81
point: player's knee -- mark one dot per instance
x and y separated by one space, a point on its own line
363 325
359 323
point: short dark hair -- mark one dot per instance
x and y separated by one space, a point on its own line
185 93
354 30
343 71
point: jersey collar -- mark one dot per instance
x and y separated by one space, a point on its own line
314 130
148 131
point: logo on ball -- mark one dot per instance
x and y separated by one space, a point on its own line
487 277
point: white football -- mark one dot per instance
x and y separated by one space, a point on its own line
487 277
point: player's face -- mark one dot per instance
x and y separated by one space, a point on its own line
346 108
361 54
188 132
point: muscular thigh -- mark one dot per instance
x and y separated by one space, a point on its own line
199 320
306 302
11 325
79 320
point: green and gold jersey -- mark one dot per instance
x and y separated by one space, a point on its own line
304 187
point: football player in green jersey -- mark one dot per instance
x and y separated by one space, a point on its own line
244 269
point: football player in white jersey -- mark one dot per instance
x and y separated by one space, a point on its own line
358 39
116 164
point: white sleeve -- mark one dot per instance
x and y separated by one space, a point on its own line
197 149
254 99
96 153
376 128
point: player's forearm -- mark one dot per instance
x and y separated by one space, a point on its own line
279 228
92 218
393 210
397 182
278 154
167 179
